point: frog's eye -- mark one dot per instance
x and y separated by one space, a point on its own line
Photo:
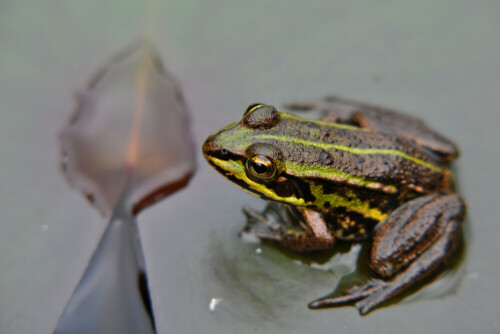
261 168
252 107
260 116
264 162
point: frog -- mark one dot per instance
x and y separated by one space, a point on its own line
359 173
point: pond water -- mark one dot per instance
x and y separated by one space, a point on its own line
437 61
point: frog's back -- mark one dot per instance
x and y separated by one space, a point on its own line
355 177
353 156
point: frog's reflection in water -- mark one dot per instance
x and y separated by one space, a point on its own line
348 261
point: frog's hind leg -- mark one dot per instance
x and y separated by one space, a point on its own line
413 243
382 120
315 237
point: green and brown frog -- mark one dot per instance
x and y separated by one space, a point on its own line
361 172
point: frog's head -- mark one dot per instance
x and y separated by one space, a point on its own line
245 153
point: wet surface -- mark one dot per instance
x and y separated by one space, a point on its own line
348 261
436 61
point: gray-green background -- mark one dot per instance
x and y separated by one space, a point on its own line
438 60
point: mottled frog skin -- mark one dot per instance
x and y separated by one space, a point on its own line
361 172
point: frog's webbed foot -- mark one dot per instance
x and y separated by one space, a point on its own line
350 295
413 243
315 237
382 120
260 226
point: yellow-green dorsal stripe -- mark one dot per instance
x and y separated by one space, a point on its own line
354 150
326 173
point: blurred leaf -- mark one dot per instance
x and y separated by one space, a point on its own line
130 127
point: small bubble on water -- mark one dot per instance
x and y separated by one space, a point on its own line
213 303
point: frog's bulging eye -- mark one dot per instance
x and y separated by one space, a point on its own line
261 168
253 106
260 116
264 162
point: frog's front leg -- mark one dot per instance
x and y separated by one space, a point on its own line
414 242
315 237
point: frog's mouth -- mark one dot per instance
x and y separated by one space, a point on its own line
208 147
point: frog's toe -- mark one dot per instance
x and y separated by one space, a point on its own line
374 300
349 296
264 235
262 229
254 215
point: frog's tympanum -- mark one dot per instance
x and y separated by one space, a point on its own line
375 174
